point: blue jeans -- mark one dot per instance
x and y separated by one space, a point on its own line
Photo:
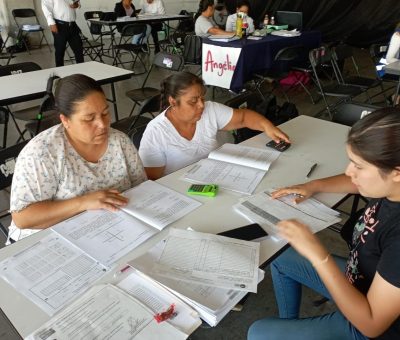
289 272
136 38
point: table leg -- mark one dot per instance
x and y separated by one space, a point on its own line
114 101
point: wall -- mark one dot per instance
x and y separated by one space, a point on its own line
6 6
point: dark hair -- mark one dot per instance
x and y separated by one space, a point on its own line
241 3
73 89
376 139
175 84
203 5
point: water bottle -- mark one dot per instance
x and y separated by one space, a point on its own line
272 21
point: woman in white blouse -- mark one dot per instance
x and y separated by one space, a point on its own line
78 165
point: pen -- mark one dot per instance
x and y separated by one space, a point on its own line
311 170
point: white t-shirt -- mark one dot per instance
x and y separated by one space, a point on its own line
231 24
49 168
162 145
156 7
392 54
202 25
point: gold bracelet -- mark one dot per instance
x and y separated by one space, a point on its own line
325 260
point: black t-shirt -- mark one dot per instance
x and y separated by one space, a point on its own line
376 248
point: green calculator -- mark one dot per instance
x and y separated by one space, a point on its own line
209 190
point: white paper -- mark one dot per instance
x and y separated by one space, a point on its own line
245 155
106 312
159 299
158 205
262 209
227 175
208 259
106 236
51 273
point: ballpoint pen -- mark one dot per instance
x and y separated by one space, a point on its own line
311 170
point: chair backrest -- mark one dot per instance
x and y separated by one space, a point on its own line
151 105
133 29
94 29
8 70
8 158
319 56
109 16
349 113
192 49
173 62
23 13
377 51
290 53
136 135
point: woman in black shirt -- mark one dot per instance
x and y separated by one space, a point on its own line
125 8
366 286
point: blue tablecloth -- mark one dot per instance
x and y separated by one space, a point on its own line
259 55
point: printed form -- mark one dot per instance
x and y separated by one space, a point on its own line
208 259
51 273
268 212
106 312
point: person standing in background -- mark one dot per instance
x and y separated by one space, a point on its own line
154 7
60 16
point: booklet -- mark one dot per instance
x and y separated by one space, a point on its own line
107 312
234 167
223 38
80 250
268 212
212 297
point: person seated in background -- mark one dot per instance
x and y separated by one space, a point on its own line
186 130
393 52
366 286
154 7
205 24
78 165
242 6
126 8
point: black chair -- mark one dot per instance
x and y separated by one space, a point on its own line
343 52
136 135
150 105
192 50
4 54
163 60
8 158
349 113
134 50
30 116
322 56
98 31
91 48
283 61
29 13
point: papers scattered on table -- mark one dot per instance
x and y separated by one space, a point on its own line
31 27
81 249
107 312
211 273
126 18
262 209
223 38
285 33
51 273
233 167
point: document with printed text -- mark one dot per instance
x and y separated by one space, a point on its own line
106 312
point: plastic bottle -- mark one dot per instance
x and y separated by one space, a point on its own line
266 20
245 25
239 24
272 21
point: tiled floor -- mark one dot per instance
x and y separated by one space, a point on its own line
235 325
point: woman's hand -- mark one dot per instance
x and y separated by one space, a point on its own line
303 240
110 200
276 134
301 192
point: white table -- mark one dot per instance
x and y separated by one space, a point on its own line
317 140
22 87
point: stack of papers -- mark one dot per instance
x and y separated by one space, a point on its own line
223 38
285 33
234 167
268 212
107 312
31 27
80 250
210 273
126 18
